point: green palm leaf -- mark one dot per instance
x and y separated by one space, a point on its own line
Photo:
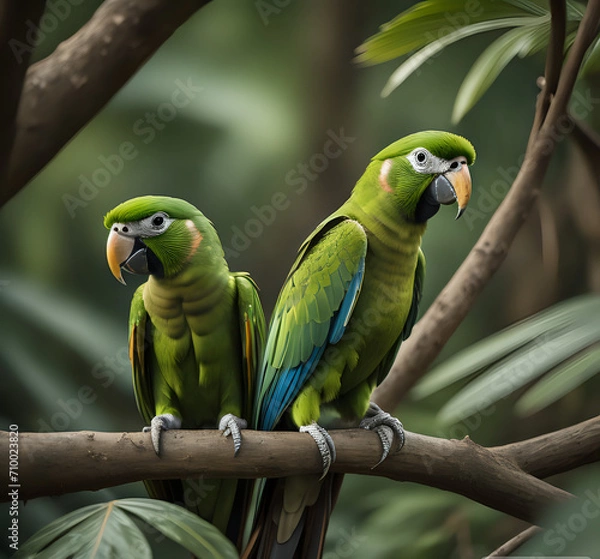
561 341
433 48
517 42
560 381
108 530
518 370
429 27
592 62
183 527
428 21
485 353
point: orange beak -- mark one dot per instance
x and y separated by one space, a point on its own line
461 182
118 249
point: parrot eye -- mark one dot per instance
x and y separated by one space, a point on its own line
425 162
159 221
154 225
420 159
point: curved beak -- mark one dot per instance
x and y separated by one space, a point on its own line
118 250
453 186
461 181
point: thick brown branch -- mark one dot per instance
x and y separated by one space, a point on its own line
454 302
64 91
15 52
98 460
558 452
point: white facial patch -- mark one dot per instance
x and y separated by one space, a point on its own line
424 162
151 226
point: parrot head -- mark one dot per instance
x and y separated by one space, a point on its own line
154 235
424 170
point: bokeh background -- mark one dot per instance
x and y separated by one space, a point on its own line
264 96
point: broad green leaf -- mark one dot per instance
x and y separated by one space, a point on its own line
428 21
592 61
493 348
560 381
109 533
516 42
55 530
433 48
517 370
107 530
183 527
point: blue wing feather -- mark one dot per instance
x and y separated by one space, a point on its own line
290 381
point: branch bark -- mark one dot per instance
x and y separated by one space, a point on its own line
63 92
454 302
14 60
541 457
496 477
515 543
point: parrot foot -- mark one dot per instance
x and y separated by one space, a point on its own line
324 443
160 423
232 425
386 426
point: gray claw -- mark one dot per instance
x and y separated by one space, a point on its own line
232 425
324 443
161 423
386 426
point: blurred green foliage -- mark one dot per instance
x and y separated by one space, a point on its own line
266 92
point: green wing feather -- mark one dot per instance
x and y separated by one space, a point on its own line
140 340
307 313
252 330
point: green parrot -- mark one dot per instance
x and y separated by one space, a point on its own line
347 304
196 334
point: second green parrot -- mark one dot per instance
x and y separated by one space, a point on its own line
195 335
348 302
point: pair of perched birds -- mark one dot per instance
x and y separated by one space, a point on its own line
197 332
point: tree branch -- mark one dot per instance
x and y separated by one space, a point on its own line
454 302
554 60
515 543
98 460
13 64
541 457
64 91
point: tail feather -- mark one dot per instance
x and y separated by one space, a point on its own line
291 523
